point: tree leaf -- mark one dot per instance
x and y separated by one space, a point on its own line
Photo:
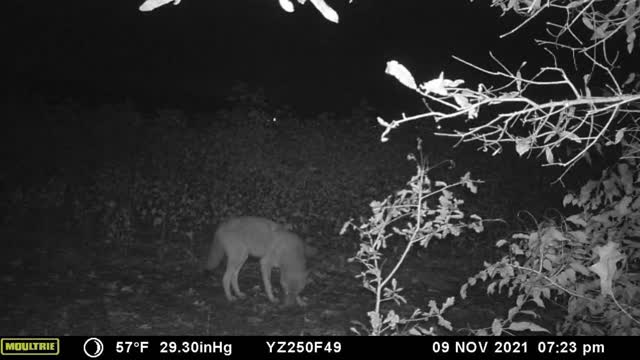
523 145
587 22
496 327
619 135
150 5
549 155
325 10
606 267
436 86
401 73
526 325
286 5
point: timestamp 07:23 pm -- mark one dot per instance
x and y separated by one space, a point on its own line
516 347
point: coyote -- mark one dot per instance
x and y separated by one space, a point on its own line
240 237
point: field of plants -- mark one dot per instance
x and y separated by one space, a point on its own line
107 213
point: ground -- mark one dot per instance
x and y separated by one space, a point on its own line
148 292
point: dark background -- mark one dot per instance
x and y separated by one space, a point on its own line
191 54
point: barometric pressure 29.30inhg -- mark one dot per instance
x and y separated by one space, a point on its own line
175 347
517 347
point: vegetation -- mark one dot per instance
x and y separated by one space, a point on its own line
584 262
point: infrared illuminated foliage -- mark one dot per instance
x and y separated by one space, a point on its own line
286 5
425 210
587 263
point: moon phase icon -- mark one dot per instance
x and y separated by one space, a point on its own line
93 347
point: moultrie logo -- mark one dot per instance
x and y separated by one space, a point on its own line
30 346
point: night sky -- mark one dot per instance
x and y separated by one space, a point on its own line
190 55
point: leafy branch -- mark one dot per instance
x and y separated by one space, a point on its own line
533 126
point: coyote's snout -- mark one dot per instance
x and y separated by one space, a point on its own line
241 237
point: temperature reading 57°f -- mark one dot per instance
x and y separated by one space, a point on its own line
128 346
